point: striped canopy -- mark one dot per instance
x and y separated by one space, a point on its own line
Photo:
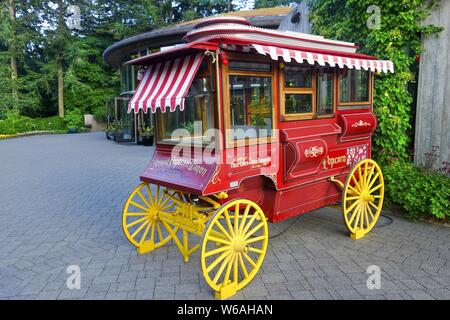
321 59
165 84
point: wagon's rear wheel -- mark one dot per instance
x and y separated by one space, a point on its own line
141 217
362 198
233 246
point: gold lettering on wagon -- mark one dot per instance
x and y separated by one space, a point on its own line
330 162
172 163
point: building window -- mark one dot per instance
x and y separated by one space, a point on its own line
354 86
128 79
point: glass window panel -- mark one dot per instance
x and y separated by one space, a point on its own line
198 113
250 106
249 66
297 77
325 91
354 86
298 103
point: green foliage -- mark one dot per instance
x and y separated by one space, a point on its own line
418 191
20 124
74 119
99 113
398 39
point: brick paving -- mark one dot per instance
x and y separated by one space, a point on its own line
61 198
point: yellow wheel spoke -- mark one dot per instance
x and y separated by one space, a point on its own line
149 191
135 233
360 177
217 261
249 223
259 226
251 249
358 215
255 239
370 212
375 188
373 205
221 268
356 184
361 218
228 221
236 219
216 251
163 203
244 219
137 205
143 199
373 180
369 178
250 260
366 214
351 207
352 198
219 240
354 190
217 223
365 174
229 266
158 227
135 222
354 213
157 199
235 270
242 264
136 214
145 232
152 233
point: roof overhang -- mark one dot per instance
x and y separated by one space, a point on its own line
119 52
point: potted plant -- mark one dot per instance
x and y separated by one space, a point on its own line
147 136
110 131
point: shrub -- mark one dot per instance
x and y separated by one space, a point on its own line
99 114
418 191
74 119
20 124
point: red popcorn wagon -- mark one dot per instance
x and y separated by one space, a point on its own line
252 126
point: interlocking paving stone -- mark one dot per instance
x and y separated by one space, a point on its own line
76 185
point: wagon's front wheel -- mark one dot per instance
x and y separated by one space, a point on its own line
141 217
362 198
233 246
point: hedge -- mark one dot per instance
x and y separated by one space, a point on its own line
418 191
21 124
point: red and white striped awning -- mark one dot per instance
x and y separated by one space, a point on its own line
165 84
321 59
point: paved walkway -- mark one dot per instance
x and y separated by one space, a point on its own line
60 204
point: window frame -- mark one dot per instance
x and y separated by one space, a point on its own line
313 91
226 73
355 103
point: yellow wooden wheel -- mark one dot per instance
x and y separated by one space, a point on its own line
141 219
233 247
362 198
